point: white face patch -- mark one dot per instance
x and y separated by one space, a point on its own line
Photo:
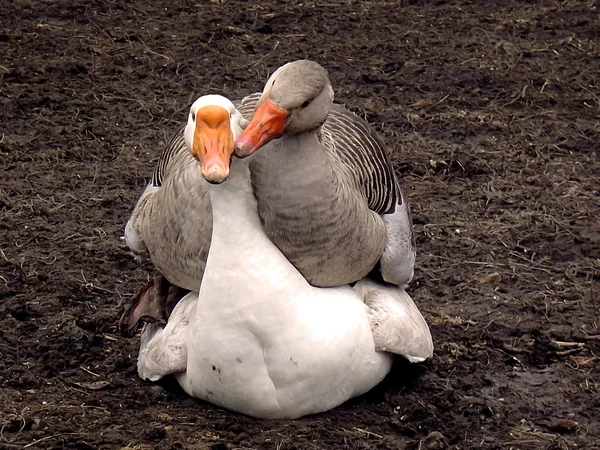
210 100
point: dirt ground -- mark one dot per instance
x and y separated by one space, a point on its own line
492 112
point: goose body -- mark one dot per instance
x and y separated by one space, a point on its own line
172 221
329 242
327 193
259 339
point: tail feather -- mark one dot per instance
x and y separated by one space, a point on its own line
397 324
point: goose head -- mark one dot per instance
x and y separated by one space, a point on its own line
213 125
295 99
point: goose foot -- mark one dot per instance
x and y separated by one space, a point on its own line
154 303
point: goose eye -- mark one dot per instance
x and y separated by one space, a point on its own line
305 104
193 117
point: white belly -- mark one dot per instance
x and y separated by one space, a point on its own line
263 365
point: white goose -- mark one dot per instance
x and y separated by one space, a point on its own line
327 193
171 223
258 339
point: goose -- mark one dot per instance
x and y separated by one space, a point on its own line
326 190
334 208
171 224
257 338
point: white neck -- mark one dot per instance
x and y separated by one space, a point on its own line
233 201
243 264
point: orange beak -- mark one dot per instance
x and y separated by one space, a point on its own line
213 143
268 123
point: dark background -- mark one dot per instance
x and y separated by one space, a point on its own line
491 111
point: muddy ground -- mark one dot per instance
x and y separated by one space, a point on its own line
492 112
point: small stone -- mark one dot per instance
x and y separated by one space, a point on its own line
36 424
165 417
494 277
434 441
564 426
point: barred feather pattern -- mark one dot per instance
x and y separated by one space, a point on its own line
359 149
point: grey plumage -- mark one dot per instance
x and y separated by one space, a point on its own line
326 210
314 212
172 221
327 193
360 149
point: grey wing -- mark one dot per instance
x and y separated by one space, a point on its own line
398 259
359 149
175 146
133 237
247 106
